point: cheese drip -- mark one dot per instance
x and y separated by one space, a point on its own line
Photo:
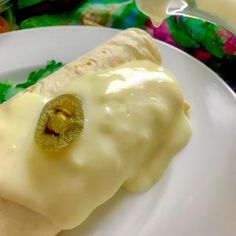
134 122
157 10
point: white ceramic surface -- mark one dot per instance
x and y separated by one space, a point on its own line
197 194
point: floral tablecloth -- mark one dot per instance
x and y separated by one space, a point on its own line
211 44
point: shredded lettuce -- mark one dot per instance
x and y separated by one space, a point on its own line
8 89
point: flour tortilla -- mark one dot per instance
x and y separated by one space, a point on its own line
16 220
128 45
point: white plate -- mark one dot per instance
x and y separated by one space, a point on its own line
197 194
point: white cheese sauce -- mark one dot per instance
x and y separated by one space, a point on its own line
135 122
223 9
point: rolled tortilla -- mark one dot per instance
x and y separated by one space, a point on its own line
18 220
131 44
128 45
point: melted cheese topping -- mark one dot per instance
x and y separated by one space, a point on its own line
134 123
157 9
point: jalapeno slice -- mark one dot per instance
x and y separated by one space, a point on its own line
60 123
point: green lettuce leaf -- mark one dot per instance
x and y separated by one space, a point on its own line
8 89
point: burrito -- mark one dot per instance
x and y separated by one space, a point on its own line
111 119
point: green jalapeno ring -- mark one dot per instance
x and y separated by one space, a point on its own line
60 123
